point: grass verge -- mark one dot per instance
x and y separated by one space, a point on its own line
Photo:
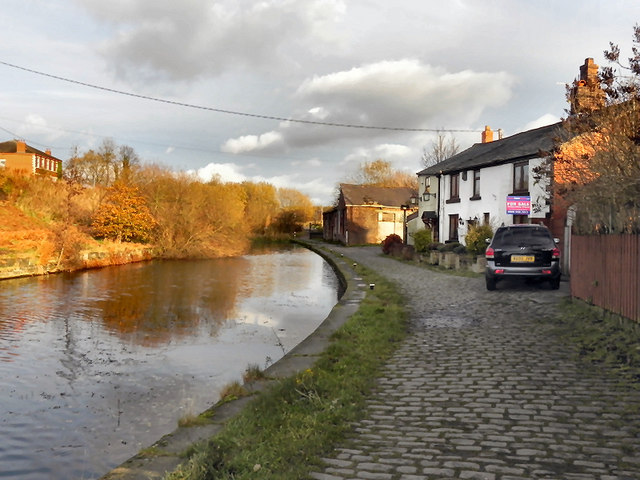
601 338
285 431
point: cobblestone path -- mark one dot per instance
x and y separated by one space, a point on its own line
481 389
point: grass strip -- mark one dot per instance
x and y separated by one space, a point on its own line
286 430
601 338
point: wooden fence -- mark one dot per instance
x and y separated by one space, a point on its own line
605 271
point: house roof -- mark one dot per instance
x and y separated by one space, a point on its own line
370 195
520 146
11 146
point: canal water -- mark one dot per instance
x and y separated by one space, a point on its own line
96 365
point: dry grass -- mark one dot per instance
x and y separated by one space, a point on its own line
253 373
233 391
20 233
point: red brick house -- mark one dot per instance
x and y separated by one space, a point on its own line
366 214
17 156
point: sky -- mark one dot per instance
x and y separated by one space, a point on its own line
264 90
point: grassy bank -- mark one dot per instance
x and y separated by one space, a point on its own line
285 431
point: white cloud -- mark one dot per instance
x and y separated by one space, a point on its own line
269 141
406 92
225 172
316 189
389 152
403 93
546 119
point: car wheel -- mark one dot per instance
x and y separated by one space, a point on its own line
555 283
491 283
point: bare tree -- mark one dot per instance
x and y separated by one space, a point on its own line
441 149
104 166
107 155
127 159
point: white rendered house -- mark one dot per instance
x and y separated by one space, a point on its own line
493 182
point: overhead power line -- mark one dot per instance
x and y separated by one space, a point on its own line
143 142
231 112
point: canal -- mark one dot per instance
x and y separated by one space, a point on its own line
98 364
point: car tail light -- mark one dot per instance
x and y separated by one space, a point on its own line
489 253
555 255
546 272
500 271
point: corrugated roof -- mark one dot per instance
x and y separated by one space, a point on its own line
520 146
370 195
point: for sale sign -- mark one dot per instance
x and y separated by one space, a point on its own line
518 205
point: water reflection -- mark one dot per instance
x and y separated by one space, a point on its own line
96 365
172 299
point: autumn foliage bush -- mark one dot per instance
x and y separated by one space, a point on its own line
123 216
389 242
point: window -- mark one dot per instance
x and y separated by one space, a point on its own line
519 219
487 217
476 185
521 177
454 188
453 227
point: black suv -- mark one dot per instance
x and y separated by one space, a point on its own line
525 251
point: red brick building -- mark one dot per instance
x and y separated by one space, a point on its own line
17 156
366 214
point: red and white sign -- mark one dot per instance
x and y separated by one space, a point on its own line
518 205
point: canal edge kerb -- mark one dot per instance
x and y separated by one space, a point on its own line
166 454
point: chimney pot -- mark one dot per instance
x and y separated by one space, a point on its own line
487 135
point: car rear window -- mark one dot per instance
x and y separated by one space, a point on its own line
522 236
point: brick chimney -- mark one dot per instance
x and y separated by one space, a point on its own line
586 94
21 146
487 135
48 151
589 72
